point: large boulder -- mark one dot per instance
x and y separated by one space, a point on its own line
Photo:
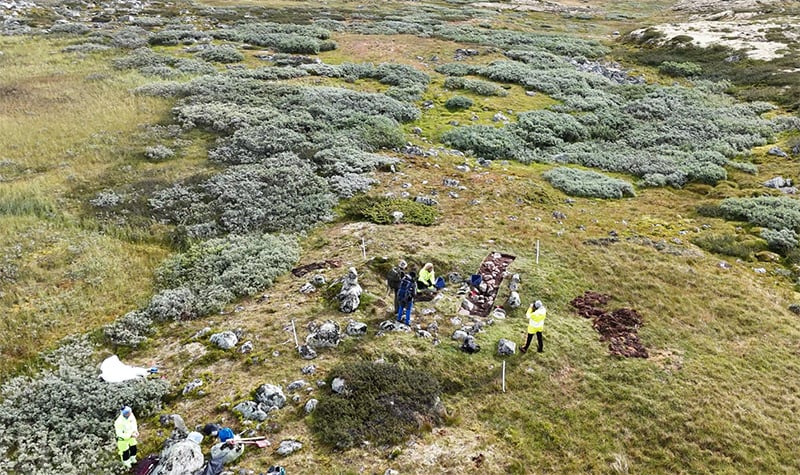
271 396
311 405
460 335
350 295
225 340
506 347
338 385
180 458
226 453
513 300
328 335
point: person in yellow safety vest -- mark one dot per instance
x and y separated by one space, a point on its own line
127 430
426 279
536 314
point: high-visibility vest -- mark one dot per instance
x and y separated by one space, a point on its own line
536 319
426 277
125 426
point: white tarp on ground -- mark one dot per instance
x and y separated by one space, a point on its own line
113 370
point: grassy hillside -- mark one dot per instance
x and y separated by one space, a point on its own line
113 159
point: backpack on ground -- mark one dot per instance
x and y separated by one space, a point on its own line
394 277
406 291
146 465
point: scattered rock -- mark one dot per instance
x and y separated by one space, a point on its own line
416 131
393 326
225 340
311 405
201 333
288 447
767 256
723 265
397 217
451 182
559 215
499 117
514 300
337 385
191 386
463 168
308 288
760 270
506 347
309 369
328 335
356 328
246 347
777 152
460 335
250 411
295 385
470 345
426 200
530 93
271 396
350 295
795 308
306 352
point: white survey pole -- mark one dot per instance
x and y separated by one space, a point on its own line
363 248
296 345
537 252
504 376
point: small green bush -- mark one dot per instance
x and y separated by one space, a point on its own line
742 246
780 240
379 209
458 103
382 403
485 141
588 184
483 88
675 69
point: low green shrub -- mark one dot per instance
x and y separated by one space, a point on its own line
675 69
773 212
742 246
379 209
482 88
381 403
458 103
587 184
485 141
780 240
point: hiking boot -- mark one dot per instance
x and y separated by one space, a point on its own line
540 351
523 349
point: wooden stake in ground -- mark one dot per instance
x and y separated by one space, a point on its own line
363 248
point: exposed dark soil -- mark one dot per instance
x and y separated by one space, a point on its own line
618 327
326 264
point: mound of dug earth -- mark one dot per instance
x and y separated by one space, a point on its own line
617 327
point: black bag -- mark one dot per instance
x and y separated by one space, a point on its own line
394 277
146 465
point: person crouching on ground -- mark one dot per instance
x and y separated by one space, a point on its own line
536 314
127 430
427 279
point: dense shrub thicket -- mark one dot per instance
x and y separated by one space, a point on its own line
61 420
458 103
148 62
667 136
282 193
285 38
587 184
743 246
408 83
221 54
382 403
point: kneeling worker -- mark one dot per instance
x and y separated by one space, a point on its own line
127 430
426 279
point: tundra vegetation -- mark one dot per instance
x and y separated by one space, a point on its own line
164 168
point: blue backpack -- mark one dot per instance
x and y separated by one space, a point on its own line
405 293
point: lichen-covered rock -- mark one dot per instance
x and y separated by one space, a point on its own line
250 411
350 295
247 347
460 335
514 300
271 395
288 447
191 386
470 345
226 453
311 405
225 340
306 352
355 328
295 385
328 335
180 458
337 385
506 347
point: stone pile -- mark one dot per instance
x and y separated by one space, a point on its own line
480 299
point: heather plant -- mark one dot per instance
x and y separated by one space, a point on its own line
221 54
383 404
773 212
588 184
284 38
676 69
485 141
173 35
743 246
85 48
381 209
482 88
350 184
68 28
348 160
457 69
547 129
60 420
148 61
130 37
159 152
458 103
242 264
780 240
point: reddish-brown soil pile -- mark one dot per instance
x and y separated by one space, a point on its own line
617 327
